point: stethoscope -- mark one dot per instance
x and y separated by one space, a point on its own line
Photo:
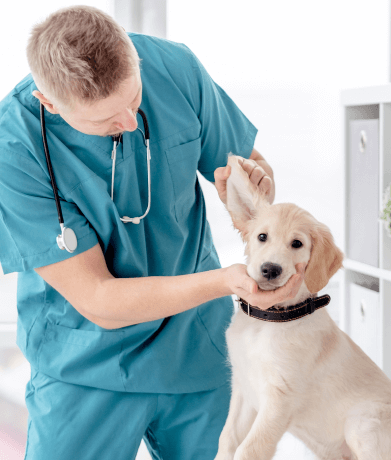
67 240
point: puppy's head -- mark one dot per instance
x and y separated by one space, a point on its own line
279 236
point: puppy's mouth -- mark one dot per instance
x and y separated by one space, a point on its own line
270 285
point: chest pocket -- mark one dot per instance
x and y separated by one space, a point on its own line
183 162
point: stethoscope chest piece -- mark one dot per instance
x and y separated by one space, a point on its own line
67 240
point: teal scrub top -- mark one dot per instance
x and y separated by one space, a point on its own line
193 126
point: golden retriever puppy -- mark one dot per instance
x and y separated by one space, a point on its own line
293 369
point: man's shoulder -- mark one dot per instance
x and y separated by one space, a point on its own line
150 47
152 41
19 122
18 95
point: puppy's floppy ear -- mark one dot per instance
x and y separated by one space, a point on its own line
326 258
243 197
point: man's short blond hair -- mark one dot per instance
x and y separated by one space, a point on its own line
80 54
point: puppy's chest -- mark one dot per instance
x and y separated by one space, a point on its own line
258 351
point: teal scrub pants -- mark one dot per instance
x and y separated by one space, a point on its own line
69 422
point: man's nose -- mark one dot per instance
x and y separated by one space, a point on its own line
127 121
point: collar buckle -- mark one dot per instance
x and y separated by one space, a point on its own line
244 302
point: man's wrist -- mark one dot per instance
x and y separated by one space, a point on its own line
225 281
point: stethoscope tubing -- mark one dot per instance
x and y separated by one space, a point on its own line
50 168
67 240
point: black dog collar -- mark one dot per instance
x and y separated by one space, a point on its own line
291 313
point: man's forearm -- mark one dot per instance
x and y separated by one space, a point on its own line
126 301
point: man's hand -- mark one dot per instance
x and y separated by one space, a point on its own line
242 285
258 176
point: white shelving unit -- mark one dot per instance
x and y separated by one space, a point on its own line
365 295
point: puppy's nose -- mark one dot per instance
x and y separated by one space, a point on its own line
271 271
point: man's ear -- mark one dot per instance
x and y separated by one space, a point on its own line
48 105
243 197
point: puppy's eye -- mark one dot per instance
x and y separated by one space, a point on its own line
262 237
297 244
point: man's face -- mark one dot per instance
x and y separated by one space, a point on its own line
110 116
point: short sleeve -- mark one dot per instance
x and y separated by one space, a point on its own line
224 128
29 222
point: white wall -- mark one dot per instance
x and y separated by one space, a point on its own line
253 43
285 63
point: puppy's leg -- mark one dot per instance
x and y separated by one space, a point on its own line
270 424
368 431
240 418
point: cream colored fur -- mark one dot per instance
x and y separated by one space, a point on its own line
305 376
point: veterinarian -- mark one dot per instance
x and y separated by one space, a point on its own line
125 335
